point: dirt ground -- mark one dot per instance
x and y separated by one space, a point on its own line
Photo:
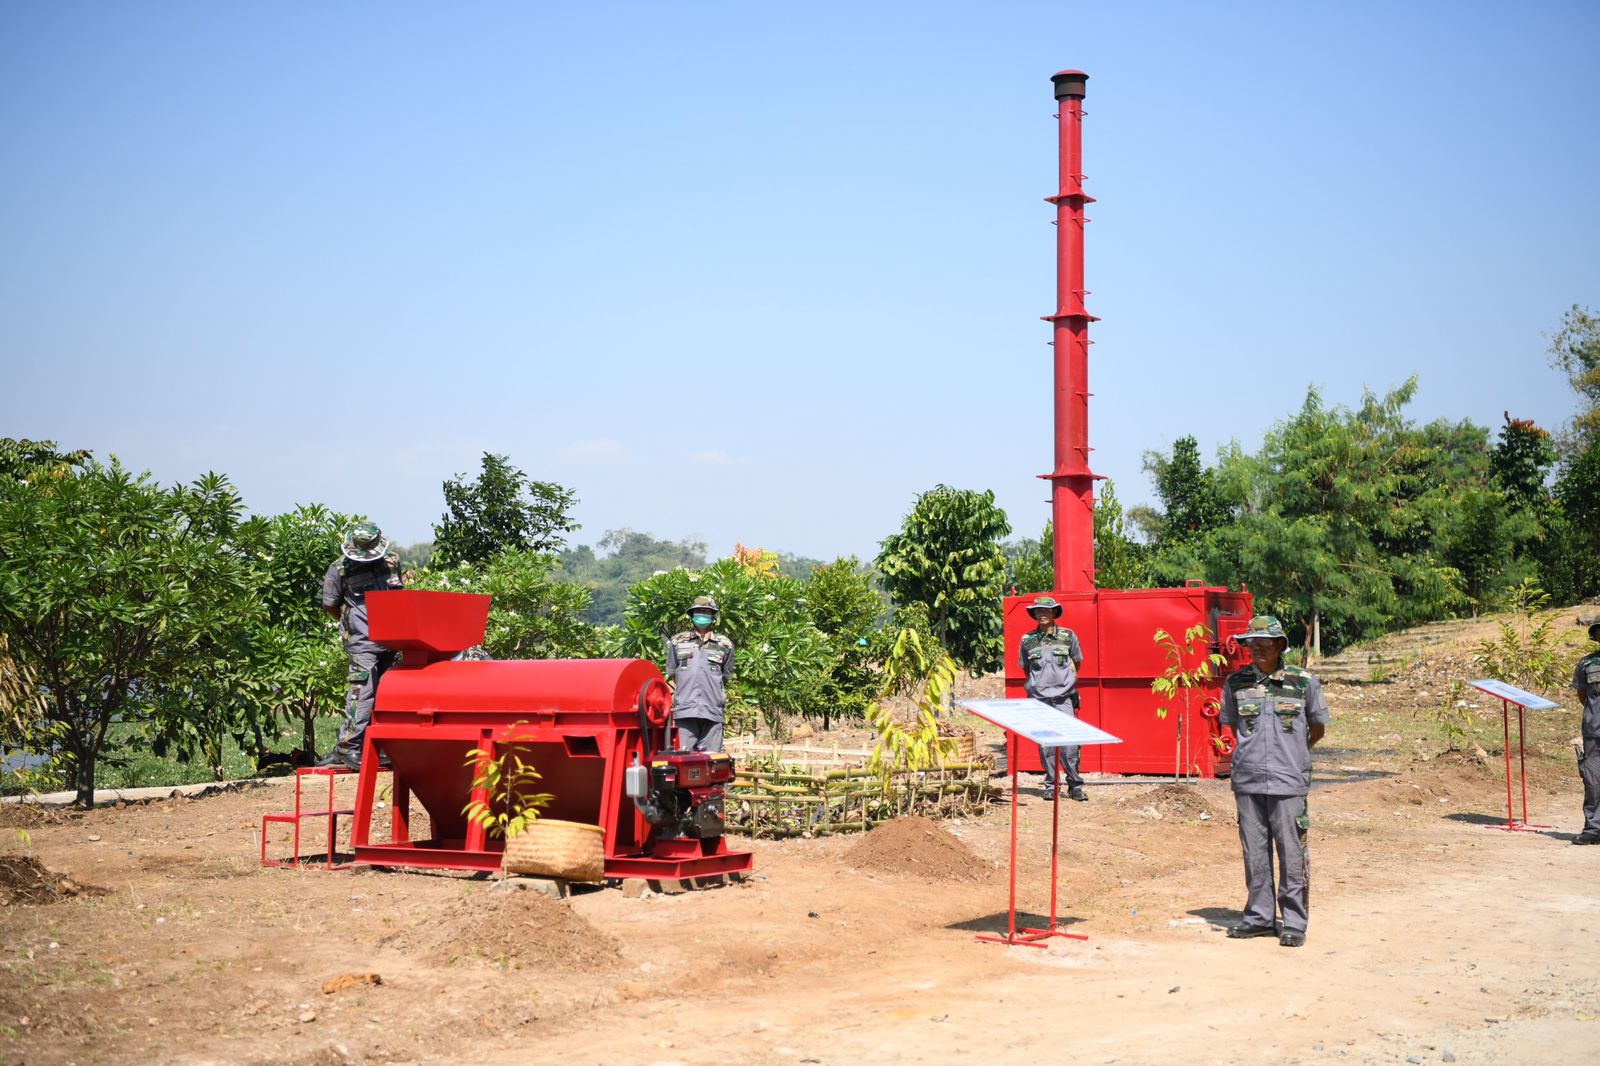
151 933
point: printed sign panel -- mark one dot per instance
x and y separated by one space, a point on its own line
1039 722
1522 699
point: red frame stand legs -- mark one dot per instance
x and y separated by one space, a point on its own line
1512 825
1027 937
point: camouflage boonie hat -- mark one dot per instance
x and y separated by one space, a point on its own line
704 603
1045 603
1264 627
365 543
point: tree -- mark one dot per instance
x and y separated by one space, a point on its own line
1119 562
947 555
501 511
1575 351
1191 504
296 650
1521 462
21 460
117 594
532 615
845 609
1030 564
629 557
782 661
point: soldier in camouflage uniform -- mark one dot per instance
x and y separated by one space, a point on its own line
1586 682
1050 660
367 566
1277 713
700 664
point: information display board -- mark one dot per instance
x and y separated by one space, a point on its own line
1526 700
1039 722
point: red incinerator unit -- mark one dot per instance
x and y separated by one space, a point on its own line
1116 627
596 730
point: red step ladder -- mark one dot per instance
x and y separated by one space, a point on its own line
300 812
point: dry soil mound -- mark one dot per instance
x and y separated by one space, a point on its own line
526 930
917 847
23 879
1174 800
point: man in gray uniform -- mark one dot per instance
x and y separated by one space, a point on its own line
1586 682
366 566
700 664
1050 660
1277 714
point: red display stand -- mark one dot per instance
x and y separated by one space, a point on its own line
1510 696
1041 724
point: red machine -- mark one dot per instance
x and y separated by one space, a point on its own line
1116 627
582 723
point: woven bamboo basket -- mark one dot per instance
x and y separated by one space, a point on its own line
572 851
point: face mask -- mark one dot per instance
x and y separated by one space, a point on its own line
701 620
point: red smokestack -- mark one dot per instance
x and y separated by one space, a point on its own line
1071 482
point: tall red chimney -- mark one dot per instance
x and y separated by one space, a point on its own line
1071 482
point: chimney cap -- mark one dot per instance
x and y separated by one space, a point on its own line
1070 83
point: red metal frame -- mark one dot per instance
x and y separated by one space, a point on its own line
294 818
1029 937
1512 825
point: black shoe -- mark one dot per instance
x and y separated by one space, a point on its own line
1080 795
383 762
1586 837
1289 938
333 758
1049 797
1244 930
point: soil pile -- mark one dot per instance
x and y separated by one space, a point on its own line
917 847
23 879
1174 800
517 930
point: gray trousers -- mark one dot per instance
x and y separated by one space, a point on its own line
699 734
1589 770
1066 756
1267 824
366 667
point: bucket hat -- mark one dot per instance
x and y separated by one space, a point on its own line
1045 603
365 543
1264 627
704 603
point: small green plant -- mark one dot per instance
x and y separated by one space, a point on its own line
1190 665
1454 717
511 804
1525 653
927 677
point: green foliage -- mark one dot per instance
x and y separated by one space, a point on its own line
24 460
1575 351
925 673
532 616
297 664
126 600
1525 652
845 609
507 782
1521 462
947 556
782 661
628 558
1454 717
1030 564
1192 506
500 511
1120 563
1190 665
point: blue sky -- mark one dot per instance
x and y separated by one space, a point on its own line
758 272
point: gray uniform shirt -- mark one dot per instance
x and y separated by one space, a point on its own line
348 583
1270 716
1586 682
1050 663
700 671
